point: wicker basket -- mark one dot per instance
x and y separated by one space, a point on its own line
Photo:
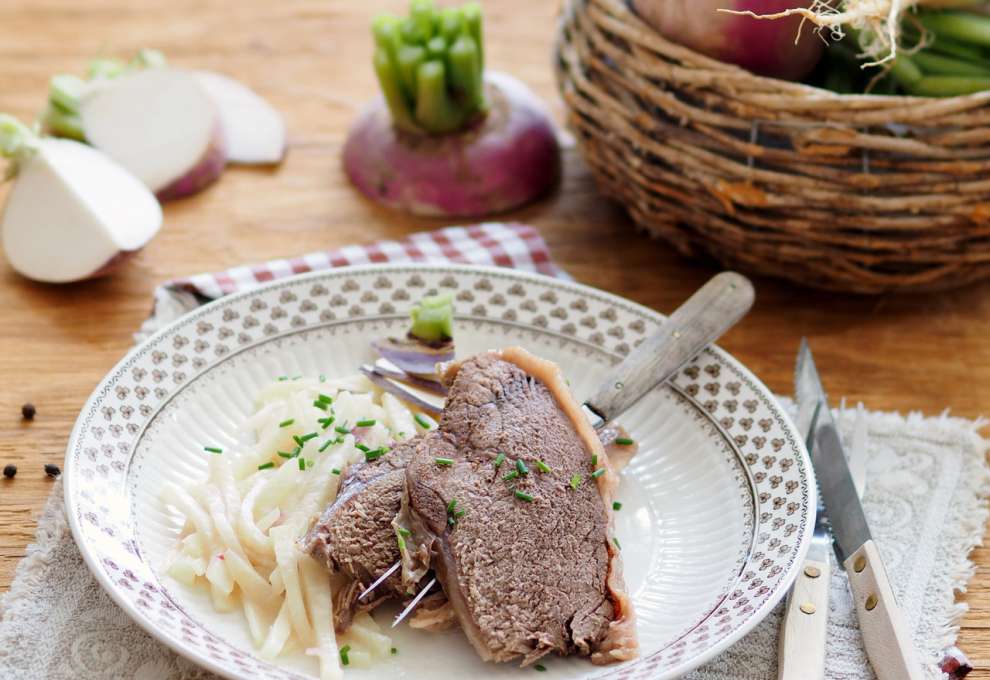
854 193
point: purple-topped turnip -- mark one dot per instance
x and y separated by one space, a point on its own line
774 49
445 139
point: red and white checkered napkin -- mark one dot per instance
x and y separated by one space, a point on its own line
517 246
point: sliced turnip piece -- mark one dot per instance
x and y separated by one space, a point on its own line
73 213
253 130
161 125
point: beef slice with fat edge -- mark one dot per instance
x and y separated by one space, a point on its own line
525 578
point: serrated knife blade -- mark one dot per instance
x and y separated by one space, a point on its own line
835 481
886 636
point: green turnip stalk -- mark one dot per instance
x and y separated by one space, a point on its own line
949 86
937 64
429 66
963 27
17 142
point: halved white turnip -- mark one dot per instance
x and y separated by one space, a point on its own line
253 130
158 123
72 213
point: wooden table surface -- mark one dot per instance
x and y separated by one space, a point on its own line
311 59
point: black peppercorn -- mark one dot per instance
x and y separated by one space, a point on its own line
9 470
52 470
28 411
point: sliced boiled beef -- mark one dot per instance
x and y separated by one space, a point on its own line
354 535
527 561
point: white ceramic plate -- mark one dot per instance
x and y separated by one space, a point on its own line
717 506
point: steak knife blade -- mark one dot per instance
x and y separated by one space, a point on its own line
885 633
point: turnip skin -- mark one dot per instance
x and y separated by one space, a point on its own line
160 124
508 159
203 174
766 48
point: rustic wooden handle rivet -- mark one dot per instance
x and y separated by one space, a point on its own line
871 603
812 572
808 608
860 564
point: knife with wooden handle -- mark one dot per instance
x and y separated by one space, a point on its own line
886 635
702 319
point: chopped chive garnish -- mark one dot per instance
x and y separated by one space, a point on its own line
361 447
616 505
594 459
451 505
335 471
459 514
339 440
451 521
283 454
266 466
445 462
286 423
297 377
307 437
302 463
576 480
283 378
499 459
617 544
344 661
325 399
598 473
320 405
401 542
367 422
521 466
342 429
542 467
376 454
298 440
326 422
421 421
512 475
394 651
523 496
539 667
212 449
624 441
403 531
325 445
323 378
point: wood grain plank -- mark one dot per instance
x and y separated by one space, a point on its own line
919 352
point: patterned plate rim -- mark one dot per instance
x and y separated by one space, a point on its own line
796 446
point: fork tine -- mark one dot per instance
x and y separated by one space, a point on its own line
858 450
380 579
412 605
